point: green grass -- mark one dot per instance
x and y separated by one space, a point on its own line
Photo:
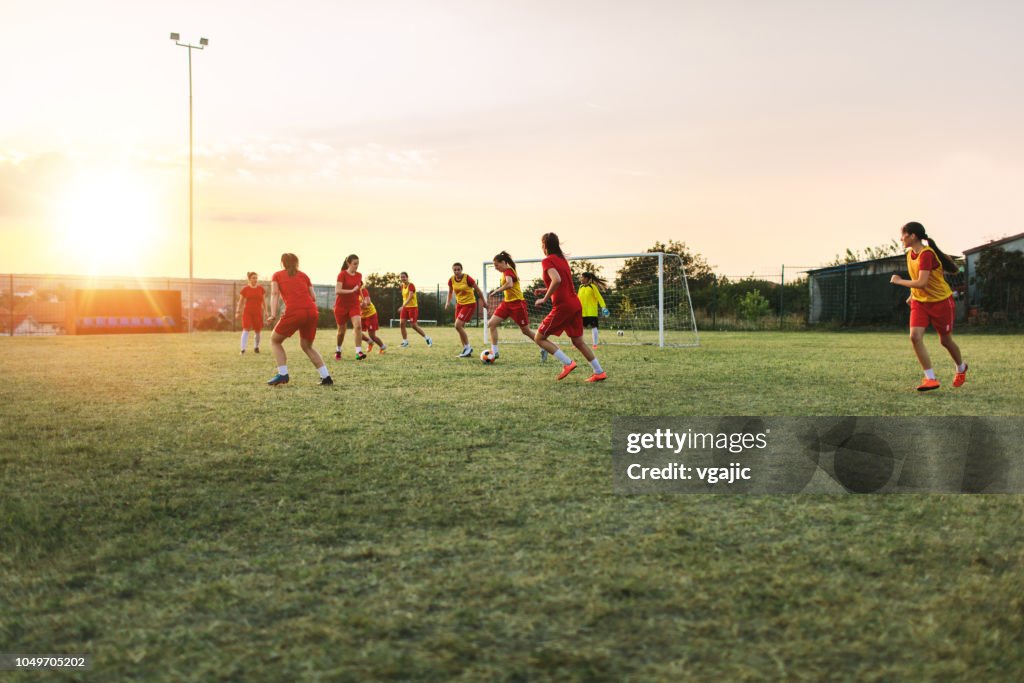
430 518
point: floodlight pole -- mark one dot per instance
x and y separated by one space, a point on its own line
203 42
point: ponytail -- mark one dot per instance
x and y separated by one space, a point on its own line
599 282
551 245
917 230
505 258
290 263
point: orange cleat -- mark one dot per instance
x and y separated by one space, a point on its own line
960 377
928 384
597 377
381 352
566 369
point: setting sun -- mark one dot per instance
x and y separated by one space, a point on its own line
107 221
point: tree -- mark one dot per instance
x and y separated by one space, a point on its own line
383 281
641 272
753 306
890 248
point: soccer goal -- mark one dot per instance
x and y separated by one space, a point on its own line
646 295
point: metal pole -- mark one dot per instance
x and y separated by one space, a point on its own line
190 189
782 291
486 304
11 306
846 293
661 300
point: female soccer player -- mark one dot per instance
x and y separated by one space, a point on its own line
368 312
591 301
300 315
410 310
566 313
931 301
346 305
254 297
467 299
513 304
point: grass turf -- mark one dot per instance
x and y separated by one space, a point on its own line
433 518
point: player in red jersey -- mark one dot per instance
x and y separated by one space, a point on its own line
566 312
931 301
346 305
513 304
468 298
254 299
300 315
368 312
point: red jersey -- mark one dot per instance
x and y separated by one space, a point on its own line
565 295
348 281
294 290
253 298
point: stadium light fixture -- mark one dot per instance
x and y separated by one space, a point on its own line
203 42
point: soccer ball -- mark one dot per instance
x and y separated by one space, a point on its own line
487 357
620 333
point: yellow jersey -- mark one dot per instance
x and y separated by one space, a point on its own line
410 287
590 299
515 292
463 289
936 289
365 311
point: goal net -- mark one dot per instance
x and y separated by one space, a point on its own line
646 295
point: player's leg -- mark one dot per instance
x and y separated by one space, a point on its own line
917 341
401 326
277 346
599 373
467 349
245 338
307 335
357 333
594 331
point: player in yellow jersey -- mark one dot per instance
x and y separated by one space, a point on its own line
931 301
592 302
467 300
368 314
410 310
513 304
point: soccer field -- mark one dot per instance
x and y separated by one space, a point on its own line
434 518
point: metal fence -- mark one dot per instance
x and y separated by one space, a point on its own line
40 305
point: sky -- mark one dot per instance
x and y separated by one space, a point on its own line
415 134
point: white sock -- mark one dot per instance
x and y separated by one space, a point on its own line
929 373
337 348
560 355
494 348
245 339
962 367
359 349
323 371
257 340
594 333
282 369
597 366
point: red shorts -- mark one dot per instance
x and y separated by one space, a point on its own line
370 323
465 312
940 314
343 315
410 313
302 321
561 320
515 310
252 320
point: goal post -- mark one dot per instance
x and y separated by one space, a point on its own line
646 294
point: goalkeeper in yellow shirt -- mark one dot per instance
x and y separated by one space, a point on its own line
592 302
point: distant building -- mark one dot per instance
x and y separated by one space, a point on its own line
972 256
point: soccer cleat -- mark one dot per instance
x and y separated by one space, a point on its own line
597 377
928 384
360 355
960 377
567 369
381 352
543 355
404 344
494 356
369 347
326 381
337 355
256 350
466 352
242 353
594 346
429 341
278 380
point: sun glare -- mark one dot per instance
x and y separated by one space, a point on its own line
107 221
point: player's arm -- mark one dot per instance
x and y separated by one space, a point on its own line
920 283
556 281
448 301
506 283
238 306
480 298
275 299
408 297
265 305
